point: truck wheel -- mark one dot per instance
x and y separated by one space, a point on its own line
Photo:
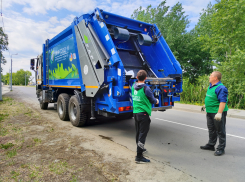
124 116
77 116
62 106
43 105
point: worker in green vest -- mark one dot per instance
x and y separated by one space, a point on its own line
143 99
216 107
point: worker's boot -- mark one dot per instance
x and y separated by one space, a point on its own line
141 159
208 147
219 152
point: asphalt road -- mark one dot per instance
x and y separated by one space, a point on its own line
174 139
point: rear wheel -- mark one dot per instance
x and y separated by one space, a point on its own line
62 106
78 116
43 105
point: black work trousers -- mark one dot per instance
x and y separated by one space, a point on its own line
216 129
142 126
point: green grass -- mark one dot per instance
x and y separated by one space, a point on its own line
195 93
3 131
11 153
29 113
35 173
74 179
2 116
6 99
11 163
24 166
6 146
37 141
58 167
14 174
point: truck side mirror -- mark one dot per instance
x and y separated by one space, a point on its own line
32 64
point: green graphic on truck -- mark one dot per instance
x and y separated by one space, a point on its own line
63 63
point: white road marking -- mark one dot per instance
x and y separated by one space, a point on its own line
196 127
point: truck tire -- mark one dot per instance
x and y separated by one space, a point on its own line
43 105
62 106
77 116
124 116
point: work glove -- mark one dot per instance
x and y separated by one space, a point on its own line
203 108
157 101
218 116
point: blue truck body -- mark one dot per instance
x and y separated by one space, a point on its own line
95 60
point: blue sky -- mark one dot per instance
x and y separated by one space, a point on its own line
29 23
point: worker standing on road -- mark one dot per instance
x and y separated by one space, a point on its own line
142 105
216 107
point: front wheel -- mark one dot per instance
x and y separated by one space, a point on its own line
78 117
43 105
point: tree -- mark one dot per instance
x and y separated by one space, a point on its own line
204 27
233 77
223 35
186 47
228 27
172 24
20 76
3 45
147 15
6 78
197 60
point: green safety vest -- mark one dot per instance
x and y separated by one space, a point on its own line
140 101
212 102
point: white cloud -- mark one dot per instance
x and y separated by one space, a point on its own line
27 36
127 7
42 6
54 20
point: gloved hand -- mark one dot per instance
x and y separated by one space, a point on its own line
203 108
157 101
218 116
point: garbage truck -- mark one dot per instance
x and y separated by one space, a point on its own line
88 69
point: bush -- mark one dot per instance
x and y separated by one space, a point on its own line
194 93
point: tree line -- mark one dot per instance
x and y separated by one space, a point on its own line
18 78
215 43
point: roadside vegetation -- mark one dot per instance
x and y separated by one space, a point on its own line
20 77
33 148
215 43
194 93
